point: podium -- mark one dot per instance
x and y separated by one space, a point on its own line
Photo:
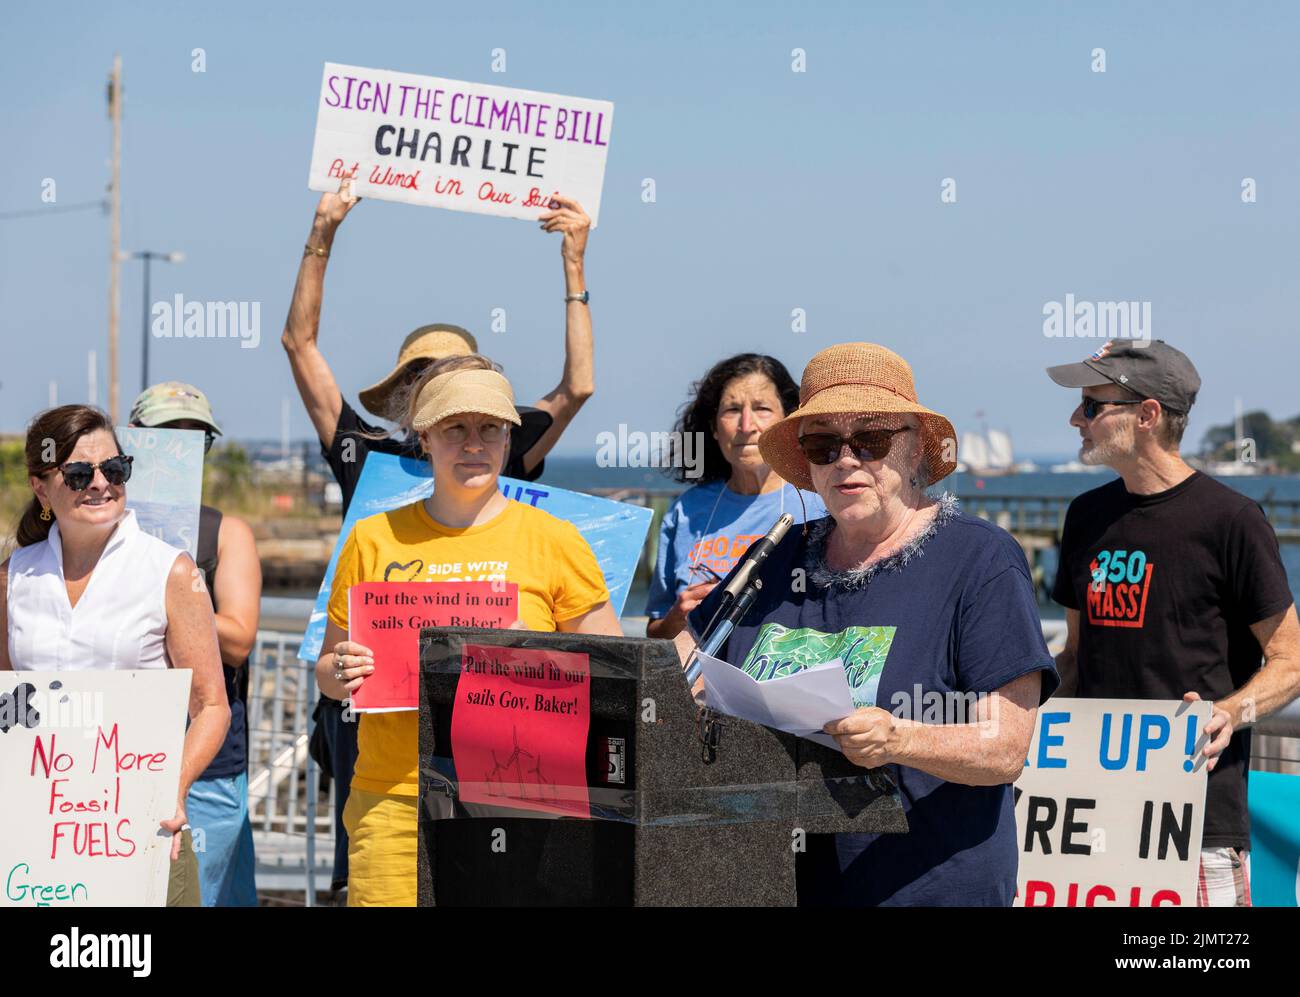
673 822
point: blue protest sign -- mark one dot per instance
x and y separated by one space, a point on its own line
166 485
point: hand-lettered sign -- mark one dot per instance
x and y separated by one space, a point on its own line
387 617
615 530
1111 804
519 727
464 146
90 763
166 485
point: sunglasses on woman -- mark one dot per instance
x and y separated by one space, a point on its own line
1091 406
79 474
870 444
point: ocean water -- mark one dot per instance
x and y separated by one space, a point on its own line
583 474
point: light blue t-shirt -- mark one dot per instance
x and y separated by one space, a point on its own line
713 526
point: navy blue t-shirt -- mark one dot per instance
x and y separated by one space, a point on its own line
958 616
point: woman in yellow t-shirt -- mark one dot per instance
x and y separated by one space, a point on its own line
466 530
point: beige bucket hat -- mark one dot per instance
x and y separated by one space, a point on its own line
857 379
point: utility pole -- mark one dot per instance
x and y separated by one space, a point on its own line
115 229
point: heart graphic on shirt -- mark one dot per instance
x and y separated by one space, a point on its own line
408 572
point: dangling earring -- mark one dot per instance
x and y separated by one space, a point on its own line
45 513
915 483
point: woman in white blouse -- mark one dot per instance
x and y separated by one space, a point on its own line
86 588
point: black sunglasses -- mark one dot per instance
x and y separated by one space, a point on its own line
1091 406
79 474
870 444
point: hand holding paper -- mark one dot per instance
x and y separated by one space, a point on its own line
868 736
802 703
352 663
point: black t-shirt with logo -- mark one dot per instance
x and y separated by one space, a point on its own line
1167 587
350 427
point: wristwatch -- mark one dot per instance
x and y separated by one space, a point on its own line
583 298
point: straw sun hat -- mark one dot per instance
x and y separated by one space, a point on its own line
429 342
857 379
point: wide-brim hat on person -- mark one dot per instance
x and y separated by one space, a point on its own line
171 401
429 342
457 392
857 379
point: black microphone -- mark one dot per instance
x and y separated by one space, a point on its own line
752 561
739 592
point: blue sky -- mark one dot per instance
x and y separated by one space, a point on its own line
775 191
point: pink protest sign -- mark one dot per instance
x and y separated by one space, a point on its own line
387 618
519 727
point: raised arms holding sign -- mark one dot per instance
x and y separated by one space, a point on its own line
311 371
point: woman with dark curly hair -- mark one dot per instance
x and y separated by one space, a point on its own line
736 497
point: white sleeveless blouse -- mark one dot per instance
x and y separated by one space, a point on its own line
120 621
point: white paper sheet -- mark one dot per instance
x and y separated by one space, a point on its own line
802 703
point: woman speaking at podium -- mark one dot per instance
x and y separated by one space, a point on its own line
462 408
923 604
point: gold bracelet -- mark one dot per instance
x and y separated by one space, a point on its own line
310 250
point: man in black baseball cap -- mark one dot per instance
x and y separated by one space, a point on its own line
1147 368
1173 585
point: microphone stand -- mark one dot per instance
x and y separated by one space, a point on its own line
739 593
741 589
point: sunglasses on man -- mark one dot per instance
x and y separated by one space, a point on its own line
1091 406
79 474
870 444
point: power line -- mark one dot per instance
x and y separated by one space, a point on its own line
101 204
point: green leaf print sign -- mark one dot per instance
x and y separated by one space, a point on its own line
780 651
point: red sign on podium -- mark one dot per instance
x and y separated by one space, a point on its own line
519 729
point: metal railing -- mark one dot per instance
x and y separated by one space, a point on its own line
293 820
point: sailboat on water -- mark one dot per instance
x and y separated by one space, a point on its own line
1237 467
989 453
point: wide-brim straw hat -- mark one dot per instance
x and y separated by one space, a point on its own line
429 342
459 391
857 379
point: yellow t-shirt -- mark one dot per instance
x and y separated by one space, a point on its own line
548 559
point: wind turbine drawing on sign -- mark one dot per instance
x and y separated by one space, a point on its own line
513 759
542 781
